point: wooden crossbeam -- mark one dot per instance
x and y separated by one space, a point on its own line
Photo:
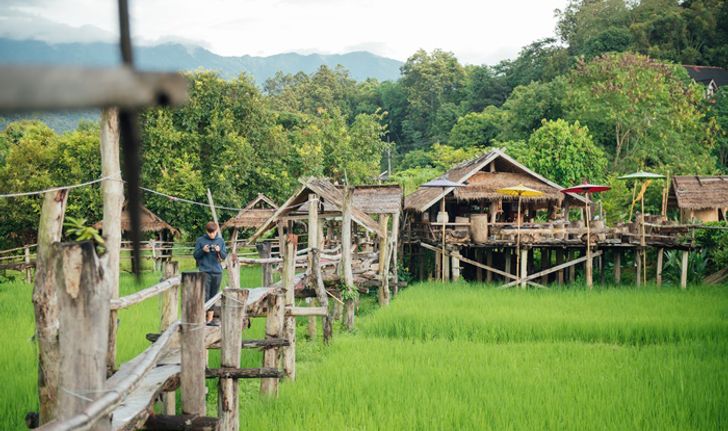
554 269
472 262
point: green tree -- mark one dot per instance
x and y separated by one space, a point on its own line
718 113
528 105
565 153
476 129
646 113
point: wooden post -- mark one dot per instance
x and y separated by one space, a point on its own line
455 265
572 268
28 269
618 266
273 329
113 196
169 309
394 238
288 268
545 263
45 303
438 265
234 241
265 252
638 261
477 256
346 255
489 262
383 260
445 267
588 265
684 270
658 275
84 303
508 260
311 324
233 314
524 267
192 340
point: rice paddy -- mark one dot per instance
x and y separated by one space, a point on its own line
464 357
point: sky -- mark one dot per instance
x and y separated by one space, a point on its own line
477 31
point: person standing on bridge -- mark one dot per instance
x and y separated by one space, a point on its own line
209 252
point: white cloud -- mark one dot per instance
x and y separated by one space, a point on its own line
484 31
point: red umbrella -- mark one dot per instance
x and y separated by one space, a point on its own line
587 189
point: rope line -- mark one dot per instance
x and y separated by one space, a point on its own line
54 189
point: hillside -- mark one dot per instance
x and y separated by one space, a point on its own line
174 56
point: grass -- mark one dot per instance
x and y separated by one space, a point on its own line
469 357
463 357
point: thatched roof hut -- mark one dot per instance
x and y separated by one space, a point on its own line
703 198
255 213
150 222
332 198
482 177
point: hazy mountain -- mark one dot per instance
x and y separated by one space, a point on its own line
175 56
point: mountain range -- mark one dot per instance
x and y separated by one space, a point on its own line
178 57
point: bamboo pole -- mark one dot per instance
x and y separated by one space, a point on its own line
524 268
346 255
658 275
588 264
384 260
113 196
684 270
45 302
289 322
617 266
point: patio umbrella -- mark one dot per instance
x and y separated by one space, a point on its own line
646 177
520 191
442 183
587 189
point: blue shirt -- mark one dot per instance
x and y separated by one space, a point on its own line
209 262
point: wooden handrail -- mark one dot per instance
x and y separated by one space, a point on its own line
117 387
149 292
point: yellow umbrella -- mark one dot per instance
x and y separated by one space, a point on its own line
520 191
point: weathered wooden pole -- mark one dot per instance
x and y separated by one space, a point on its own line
26 260
394 238
445 266
45 302
83 302
311 323
383 260
658 275
315 231
545 263
234 241
617 266
572 268
346 256
273 329
507 260
192 340
265 252
438 266
169 301
478 256
233 314
113 195
524 267
289 324
456 265
559 261
638 262
489 262
684 270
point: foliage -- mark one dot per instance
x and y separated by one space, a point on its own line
715 243
528 105
643 111
565 153
718 113
476 129
76 228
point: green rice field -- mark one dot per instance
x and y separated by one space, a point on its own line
463 356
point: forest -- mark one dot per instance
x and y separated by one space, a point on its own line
608 95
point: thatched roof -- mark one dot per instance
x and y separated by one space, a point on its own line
255 213
509 172
329 194
150 222
696 192
484 185
378 199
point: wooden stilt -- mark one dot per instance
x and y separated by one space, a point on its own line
618 266
384 260
170 306
524 268
456 265
489 262
545 263
638 261
477 255
684 270
559 261
233 314
438 266
658 275
572 269
346 253
508 260
445 267
273 329
288 267
264 252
